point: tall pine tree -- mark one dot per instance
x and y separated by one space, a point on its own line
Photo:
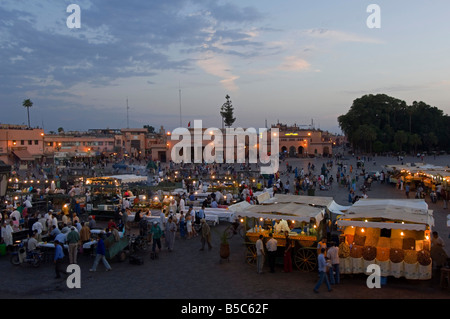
226 111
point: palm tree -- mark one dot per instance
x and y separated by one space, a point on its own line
27 103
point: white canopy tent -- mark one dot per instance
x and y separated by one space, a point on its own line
287 211
292 207
129 178
412 214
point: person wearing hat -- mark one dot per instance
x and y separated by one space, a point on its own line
206 234
156 233
73 239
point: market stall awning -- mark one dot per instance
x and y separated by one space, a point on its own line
338 209
299 199
239 207
23 155
129 178
363 224
292 211
391 213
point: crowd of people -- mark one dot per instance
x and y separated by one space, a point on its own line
65 226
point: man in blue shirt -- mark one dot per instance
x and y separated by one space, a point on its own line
322 271
59 255
101 252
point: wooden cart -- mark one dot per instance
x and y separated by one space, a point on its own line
116 248
304 253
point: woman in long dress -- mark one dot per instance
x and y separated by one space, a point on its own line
170 231
189 226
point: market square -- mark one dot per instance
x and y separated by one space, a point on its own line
166 276
131 167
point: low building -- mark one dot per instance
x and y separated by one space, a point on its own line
298 142
21 145
78 145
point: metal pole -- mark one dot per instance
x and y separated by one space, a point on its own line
179 93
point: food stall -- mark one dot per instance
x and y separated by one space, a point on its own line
303 217
418 173
394 234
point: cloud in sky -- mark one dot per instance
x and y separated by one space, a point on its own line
293 63
218 66
215 47
338 36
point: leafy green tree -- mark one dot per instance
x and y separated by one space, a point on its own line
414 141
430 140
394 123
400 139
27 103
150 129
226 111
368 136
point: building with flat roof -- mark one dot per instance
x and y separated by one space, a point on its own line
20 144
299 142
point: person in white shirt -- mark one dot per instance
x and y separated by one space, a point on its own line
271 246
7 232
162 220
32 243
54 221
126 203
15 214
245 192
27 203
173 206
229 198
43 222
219 197
333 255
37 228
436 240
259 255
182 204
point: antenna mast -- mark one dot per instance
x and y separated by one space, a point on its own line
179 93
128 121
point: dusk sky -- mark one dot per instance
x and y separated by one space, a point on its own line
289 61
